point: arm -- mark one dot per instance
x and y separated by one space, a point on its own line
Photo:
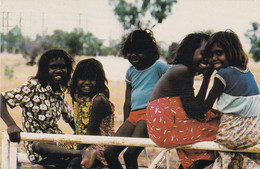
100 109
214 93
72 125
202 107
207 70
182 84
68 119
67 114
13 130
204 86
191 105
127 104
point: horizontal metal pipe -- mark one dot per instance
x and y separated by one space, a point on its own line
125 141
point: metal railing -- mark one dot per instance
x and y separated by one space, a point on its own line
11 158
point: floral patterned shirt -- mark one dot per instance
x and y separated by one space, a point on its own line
41 110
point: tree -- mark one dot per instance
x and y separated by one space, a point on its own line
145 13
12 40
171 52
254 36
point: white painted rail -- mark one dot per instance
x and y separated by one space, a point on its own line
126 141
10 157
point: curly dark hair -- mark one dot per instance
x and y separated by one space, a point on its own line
229 41
185 50
141 41
43 66
89 69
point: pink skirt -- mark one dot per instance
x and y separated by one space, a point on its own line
169 126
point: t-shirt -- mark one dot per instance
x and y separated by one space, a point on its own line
41 110
241 93
143 82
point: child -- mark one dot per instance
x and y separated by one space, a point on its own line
141 50
238 100
93 112
174 115
43 102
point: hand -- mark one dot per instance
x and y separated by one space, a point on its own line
14 133
216 112
206 68
212 114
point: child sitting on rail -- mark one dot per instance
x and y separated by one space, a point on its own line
43 102
174 115
93 112
238 100
141 50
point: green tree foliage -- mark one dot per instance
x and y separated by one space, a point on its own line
145 13
11 42
92 45
171 52
254 36
113 48
76 43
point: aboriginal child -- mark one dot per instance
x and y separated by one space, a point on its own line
93 112
43 103
238 100
141 50
174 115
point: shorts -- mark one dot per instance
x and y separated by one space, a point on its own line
136 116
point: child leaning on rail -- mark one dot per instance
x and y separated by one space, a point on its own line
239 100
141 50
93 112
43 102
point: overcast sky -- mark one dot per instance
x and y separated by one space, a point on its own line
96 16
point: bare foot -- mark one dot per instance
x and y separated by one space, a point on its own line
88 158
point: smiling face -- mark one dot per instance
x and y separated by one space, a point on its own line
218 58
57 71
85 87
137 59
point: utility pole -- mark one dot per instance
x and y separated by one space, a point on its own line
20 21
43 31
7 22
80 20
3 22
86 23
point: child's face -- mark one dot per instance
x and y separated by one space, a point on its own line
136 59
218 58
86 86
57 71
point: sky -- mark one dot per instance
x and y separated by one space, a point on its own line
96 16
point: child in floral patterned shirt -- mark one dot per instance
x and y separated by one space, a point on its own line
43 103
93 112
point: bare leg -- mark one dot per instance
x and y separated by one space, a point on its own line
132 153
52 150
112 152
